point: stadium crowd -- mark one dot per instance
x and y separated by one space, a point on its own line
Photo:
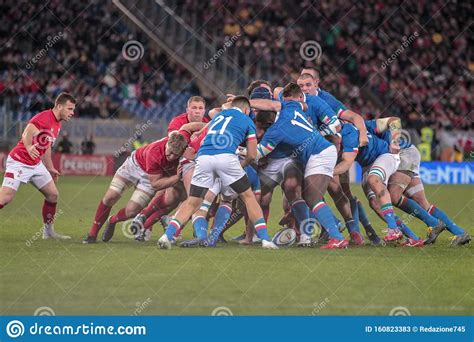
382 59
429 79
54 49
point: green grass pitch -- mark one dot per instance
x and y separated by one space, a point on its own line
125 277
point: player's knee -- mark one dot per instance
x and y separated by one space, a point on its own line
395 195
373 181
52 196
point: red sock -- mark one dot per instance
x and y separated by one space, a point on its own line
101 215
119 217
49 209
176 234
266 212
154 217
1 206
155 204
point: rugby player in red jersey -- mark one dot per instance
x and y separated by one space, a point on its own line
30 160
163 203
149 169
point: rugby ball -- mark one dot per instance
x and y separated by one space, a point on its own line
285 237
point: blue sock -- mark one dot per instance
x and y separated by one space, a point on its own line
450 225
389 215
354 209
300 210
325 216
352 226
261 229
411 207
363 217
200 227
222 216
173 226
405 229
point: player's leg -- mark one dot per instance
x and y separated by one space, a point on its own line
254 211
199 218
416 192
318 173
117 186
396 186
182 216
12 181
43 181
375 206
379 173
157 207
297 207
51 196
203 178
6 195
230 171
344 207
223 214
136 203
358 212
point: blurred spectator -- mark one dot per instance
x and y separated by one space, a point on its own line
139 142
88 145
65 145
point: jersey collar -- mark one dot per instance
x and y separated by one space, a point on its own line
237 108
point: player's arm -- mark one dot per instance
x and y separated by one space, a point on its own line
250 153
48 163
193 127
358 121
394 125
214 111
268 143
332 122
158 182
262 104
27 139
326 115
346 162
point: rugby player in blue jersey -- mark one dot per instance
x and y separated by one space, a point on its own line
217 158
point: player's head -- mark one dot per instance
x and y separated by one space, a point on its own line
292 92
260 93
175 146
196 108
64 106
307 84
242 103
259 83
263 120
313 72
